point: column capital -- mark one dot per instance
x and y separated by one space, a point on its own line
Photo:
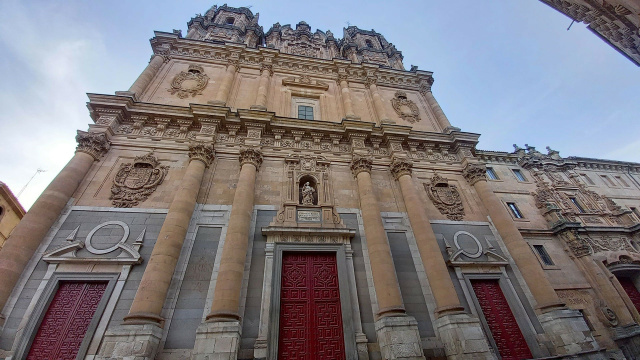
475 172
370 81
425 85
251 155
360 164
94 144
266 67
400 167
202 151
235 63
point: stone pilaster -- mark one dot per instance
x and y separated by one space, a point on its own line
27 235
266 72
461 334
443 121
377 101
346 96
152 291
145 78
233 66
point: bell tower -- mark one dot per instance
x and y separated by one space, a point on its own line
227 24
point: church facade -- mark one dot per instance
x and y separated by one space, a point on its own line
294 195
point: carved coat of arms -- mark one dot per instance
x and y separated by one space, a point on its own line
135 181
190 82
445 197
405 108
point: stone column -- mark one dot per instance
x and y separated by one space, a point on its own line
226 298
439 280
377 101
382 269
147 75
425 90
233 66
266 72
220 334
397 333
29 233
462 334
149 300
346 97
543 293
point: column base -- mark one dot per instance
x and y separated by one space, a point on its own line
398 338
217 103
462 337
628 340
219 340
567 331
131 342
361 346
258 107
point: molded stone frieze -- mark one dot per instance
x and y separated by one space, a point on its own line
305 81
445 197
360 164
252 156
405 108
135 181
94 144
400 167
201 151
474 172
191 82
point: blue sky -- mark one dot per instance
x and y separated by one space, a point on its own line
506 69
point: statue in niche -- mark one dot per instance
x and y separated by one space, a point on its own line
307 194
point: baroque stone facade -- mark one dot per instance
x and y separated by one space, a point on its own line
260 195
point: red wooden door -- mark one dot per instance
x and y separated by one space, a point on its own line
310 313
66 320
502 324
631 290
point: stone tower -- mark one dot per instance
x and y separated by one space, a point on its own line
293 195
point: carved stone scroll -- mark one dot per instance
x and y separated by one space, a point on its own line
405 108
445 197
190 82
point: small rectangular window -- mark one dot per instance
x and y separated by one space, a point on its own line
621 181
491 174
519 175
544 256
577 204
515 211
587 179
305 112
607 180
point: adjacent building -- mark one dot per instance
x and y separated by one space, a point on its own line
300 195
11 212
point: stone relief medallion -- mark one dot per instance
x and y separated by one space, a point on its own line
135 181
445 197
405 108
190 82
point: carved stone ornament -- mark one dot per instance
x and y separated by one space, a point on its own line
190 82
94 144
474 172
445 197
201 151
400 167
360 164
251 155
135 181
405 108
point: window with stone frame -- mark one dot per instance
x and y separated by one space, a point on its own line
515 211
305 108
305 112
519 175
491 174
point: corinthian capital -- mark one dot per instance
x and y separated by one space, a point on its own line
250 155
400 167
201 151
94 144
360 164
475 172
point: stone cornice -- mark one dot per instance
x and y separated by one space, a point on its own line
581 162
172 46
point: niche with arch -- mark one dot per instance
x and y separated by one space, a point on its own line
307 190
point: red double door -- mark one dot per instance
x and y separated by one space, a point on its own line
502 324
66 321
631 290
310 313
